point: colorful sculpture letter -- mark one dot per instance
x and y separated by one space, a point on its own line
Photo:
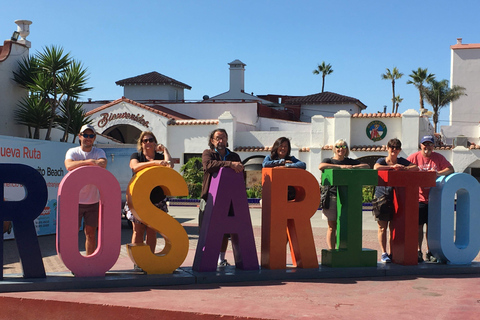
462 245
176 238
226 213
405 221
109 227
349 251
22 214
282 218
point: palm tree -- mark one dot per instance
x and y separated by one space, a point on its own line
397 101
418 78
438 94
392 75
33 112
53 63
53 76
324 69
72 83
72 117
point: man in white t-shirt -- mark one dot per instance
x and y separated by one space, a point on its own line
87 155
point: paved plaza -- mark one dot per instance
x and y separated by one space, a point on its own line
357 293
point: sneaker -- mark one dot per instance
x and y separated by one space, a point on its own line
420 256
429 257
223 263
385 258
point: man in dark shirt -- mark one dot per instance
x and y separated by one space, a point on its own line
214 158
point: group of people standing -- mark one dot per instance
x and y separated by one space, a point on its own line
424 160
151 153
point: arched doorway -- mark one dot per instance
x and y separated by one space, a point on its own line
124 133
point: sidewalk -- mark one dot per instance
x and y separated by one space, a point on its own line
357 293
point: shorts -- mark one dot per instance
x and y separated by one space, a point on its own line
128 213
89 213
422 213
330 214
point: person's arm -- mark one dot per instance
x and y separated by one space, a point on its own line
361 166
268 162
136 165
295 163
102 162
168 157
446 171
211 165
74 164
381 164
71 164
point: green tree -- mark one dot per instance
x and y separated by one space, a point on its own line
419 78
72 117
193 175
53 76
33 112
439 94
72 83
324 70
392 75
398 100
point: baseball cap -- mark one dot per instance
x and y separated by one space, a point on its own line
427 139
87 127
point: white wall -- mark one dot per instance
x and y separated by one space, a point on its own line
326 110
244 112
10 92
153 92
465 70
267 124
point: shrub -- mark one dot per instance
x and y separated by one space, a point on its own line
255 191
193 175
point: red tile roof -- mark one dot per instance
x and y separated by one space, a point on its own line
152 78
376 148
165 112
262 148
193 122
376 115
325 98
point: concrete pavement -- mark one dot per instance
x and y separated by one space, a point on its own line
405 292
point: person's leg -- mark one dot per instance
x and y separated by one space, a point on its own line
420 237
332 234
90 218
138 232
422 219
382 235
151 238
223 249
90 239
331 215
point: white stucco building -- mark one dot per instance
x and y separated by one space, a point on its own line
465 112
314 122
11 93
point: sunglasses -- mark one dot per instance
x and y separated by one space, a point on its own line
395 148
148 140
341 147
91 136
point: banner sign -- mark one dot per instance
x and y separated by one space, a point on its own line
47 158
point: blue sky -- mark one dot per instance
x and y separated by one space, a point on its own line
281 42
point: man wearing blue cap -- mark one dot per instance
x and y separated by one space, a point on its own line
427 160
